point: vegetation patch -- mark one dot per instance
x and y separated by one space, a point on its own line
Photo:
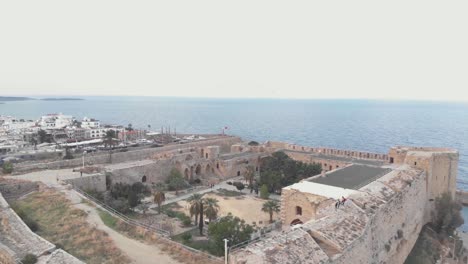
229 193
60 223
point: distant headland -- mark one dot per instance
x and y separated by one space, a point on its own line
14 98
61 99
17 98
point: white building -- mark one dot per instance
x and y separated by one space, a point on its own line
90 123
101 132
9 123
55 121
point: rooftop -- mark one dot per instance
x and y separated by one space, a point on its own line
321 189
352 177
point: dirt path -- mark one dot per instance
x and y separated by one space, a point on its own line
139 252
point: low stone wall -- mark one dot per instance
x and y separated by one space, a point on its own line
95 182
16 189
102 158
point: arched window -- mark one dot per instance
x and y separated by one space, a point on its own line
238 173
143 179
217 165
298 210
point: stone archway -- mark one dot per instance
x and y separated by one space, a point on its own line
198 170
208 169
296 222
143 179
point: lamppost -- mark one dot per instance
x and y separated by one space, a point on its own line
84 152
225 251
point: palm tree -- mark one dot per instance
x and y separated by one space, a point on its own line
211 208
249 174
109 138
271 207
159 197
195 205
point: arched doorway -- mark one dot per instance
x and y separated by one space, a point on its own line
208 168
186 173
198 170
296 222
143 179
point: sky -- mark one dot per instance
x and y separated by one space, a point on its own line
274 49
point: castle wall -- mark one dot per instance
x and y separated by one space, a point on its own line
96 182
327 164
393 230
338 152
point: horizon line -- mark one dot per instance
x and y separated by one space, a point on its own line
249 98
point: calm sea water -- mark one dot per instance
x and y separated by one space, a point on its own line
347 124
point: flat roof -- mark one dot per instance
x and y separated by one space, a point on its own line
352 177
321 189
339 158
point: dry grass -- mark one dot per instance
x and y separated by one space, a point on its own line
62 224
174 249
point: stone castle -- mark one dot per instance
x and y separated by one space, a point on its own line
390 197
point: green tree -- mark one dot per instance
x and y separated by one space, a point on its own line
7 167
253 143
279 170
159 197
447 215
175 180
264 194
43 137
211 208
195 202
229 227
271 207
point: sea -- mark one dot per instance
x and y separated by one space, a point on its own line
368 125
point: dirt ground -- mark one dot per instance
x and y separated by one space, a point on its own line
245 207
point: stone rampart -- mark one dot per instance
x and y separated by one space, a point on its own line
116 157
393 229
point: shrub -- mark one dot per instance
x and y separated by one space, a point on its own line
197 181
170 213
187 221
239 185
264 194
186 237
7 167
229 183
447 216
29 259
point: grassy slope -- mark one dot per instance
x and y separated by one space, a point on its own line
67 227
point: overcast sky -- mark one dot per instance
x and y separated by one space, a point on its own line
288 49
